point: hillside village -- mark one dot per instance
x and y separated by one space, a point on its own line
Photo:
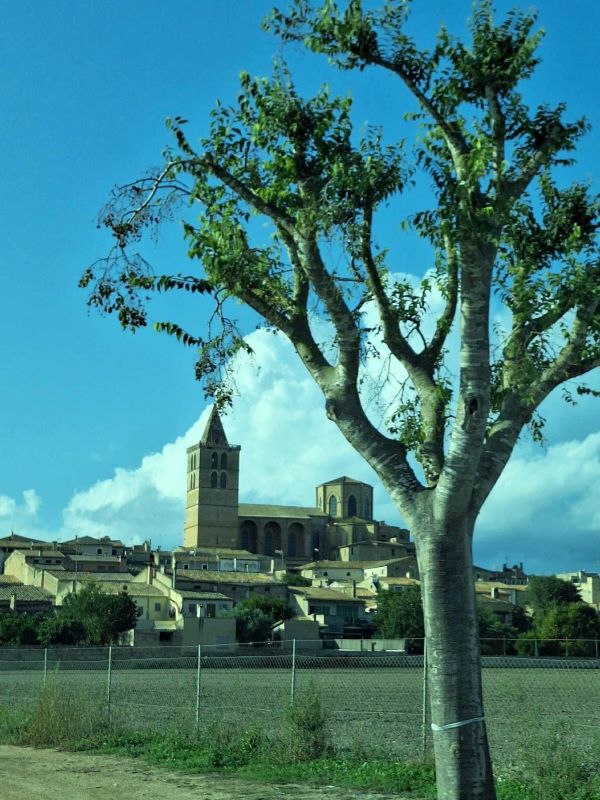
327 562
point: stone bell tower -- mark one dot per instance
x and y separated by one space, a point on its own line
213 468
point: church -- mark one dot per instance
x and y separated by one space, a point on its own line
340 526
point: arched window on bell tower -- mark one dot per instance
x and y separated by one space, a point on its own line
214 461
332 506
213 480
223 480
223 460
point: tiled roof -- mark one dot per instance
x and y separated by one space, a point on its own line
65 575
16 541
43 554
354 564
487 586
278 512
212 576
98 557
223 552
134 589
344 479
21 593
320 593
185 595
399 581
10 580
92 540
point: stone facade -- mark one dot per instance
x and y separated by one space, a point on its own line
215 518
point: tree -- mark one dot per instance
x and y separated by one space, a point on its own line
256 615
545 592
19 629
102 616
400 614
57 629
499 222
568 629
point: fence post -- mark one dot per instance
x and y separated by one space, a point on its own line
535 644
504 645
424 701
198 676
596 648
293 690
109 683
46 664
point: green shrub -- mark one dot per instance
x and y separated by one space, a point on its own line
308 737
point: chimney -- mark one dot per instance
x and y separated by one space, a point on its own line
494 593
150 576
353 588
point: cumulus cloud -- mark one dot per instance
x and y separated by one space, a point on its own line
288 447
15 514
542 512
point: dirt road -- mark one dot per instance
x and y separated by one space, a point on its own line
27 774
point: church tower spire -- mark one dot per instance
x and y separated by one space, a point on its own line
213 467
214 433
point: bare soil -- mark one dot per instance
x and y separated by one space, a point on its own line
28 774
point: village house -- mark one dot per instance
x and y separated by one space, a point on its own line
588 584
337 612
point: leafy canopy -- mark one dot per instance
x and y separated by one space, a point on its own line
500 221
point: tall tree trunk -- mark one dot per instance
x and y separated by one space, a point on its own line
462 759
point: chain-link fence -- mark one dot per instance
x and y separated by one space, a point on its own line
374 700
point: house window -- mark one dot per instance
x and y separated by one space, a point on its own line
204 566
186 566
157 606
165 636
211 610
99 551
114 551
192 608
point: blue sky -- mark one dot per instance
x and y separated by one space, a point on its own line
94 422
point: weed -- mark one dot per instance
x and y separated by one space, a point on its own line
307 736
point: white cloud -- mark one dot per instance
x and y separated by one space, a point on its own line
288 447
17 515
543 511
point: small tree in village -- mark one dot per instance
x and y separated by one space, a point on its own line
498 222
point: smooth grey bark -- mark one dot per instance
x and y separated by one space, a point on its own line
444 553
